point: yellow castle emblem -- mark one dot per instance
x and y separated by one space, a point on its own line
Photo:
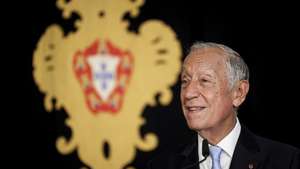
103 76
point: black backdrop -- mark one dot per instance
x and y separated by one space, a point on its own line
264 34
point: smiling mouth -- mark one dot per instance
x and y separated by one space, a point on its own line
194 109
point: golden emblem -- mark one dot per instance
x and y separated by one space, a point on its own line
103 76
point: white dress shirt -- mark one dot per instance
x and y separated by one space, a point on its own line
227 144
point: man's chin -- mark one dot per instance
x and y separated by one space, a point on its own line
195 126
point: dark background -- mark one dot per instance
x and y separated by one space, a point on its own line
265 35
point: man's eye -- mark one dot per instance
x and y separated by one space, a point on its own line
205 80
184 82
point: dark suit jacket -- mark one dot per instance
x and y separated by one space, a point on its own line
251 152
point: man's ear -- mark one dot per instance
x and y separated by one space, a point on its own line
240 92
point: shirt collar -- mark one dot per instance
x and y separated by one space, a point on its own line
227 143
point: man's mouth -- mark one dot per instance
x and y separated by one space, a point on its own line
194 108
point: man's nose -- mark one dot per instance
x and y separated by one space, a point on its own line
191 91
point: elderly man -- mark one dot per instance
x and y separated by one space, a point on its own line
215 82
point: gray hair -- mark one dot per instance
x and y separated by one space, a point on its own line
237 69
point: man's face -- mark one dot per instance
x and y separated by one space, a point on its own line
205 95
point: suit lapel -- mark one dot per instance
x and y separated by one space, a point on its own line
246 153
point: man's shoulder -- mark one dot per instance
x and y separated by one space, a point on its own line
273 146
263 142
279 154
264 152
272 154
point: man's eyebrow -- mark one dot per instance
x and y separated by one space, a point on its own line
207 74
184 75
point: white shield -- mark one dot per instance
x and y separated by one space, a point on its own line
104 68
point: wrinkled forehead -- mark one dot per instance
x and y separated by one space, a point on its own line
205 58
